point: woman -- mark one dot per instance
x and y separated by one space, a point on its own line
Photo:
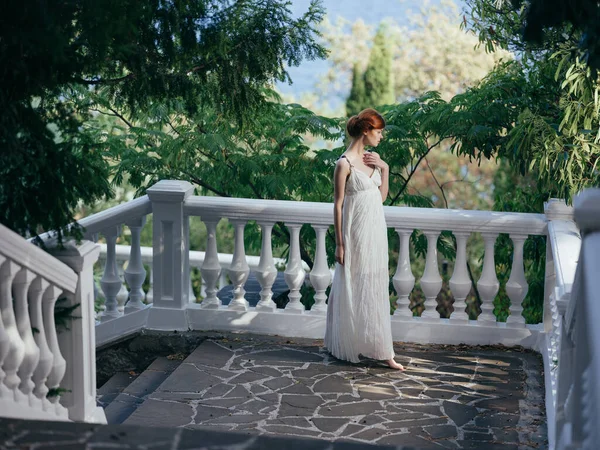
358 313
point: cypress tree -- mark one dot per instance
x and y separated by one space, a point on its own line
378 78
357 100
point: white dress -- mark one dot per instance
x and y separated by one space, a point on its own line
358 312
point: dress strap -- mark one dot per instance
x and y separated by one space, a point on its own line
344 156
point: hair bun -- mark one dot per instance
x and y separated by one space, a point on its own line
367 119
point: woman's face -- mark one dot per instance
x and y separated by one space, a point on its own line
373 137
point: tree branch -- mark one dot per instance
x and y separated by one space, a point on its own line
199 182
413 171
437 182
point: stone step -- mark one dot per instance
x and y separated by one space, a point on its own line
113 387
127 401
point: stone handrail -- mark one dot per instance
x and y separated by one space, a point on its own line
396 217
116 216
36 359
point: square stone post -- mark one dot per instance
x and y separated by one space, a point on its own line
78 342
170 260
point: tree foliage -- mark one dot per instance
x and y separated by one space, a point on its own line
188 53
543 20
379 80
549 101
357 100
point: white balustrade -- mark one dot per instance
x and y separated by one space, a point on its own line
135 274
266 271
404 280
46 358
32 361
488 284
431 281
516 286
16 346
31 353
320 275
8 270
123 294
239 270
59 364
111 282
211 269
460 282
294 272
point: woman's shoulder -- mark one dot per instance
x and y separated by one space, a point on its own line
343 160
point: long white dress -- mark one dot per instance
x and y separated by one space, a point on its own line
358 312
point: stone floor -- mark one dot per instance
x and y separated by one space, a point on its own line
454 397
35 435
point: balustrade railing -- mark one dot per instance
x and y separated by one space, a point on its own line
123 254
404 220
45 372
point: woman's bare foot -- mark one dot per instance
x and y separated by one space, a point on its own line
394 365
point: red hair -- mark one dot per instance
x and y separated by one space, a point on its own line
367 119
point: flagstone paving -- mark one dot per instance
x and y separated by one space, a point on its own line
449 397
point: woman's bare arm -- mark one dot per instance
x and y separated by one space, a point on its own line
342 170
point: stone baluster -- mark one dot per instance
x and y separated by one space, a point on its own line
211 268
460 283
59 365
135 274
40 374
488 283
150 293
239 270
31 353
266 271
8 269
404 280
16 346
111 283
294 272
517 287
320 275
123 294
431 282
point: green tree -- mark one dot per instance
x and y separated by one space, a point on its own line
550 112
379 84
357 100
135 54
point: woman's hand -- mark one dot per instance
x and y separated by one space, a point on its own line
339 254
373 159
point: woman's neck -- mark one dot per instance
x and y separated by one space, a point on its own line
356 146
